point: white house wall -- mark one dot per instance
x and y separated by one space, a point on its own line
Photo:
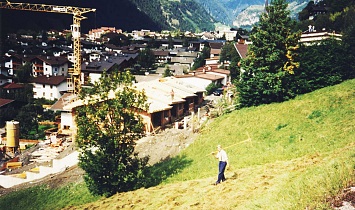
56 70
94 77
66 120
50 92
10 66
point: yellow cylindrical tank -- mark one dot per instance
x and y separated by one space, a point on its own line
12 134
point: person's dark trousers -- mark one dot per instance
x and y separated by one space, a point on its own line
222 168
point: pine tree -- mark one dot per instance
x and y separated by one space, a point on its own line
108 127
271 58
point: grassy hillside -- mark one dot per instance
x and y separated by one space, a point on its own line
291 155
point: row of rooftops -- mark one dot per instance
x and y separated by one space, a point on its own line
158 92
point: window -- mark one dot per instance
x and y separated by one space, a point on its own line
51 86
44 86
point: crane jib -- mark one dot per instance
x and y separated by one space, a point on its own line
46 8
73 83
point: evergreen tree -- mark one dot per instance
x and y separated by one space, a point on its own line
271 58
108 127
24 73
229 53
200 60
146 58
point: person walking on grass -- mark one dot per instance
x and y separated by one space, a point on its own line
223 162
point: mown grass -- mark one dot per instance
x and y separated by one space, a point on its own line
311 124
44 197
292 155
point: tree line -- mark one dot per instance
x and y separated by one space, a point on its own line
279 68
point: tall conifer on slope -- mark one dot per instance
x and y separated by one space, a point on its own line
271 58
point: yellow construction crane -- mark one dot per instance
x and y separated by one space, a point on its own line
74 84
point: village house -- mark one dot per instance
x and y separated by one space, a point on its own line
50 65
98 32
5 77
49 87
162 56
206 75
312 36
169 100
12 88
13 62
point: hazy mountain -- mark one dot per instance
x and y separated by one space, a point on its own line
243 13
250 15
225 11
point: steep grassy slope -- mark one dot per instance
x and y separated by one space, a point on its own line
283 156
291 155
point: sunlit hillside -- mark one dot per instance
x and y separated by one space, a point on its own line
291 155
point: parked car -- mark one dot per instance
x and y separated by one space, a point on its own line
218 92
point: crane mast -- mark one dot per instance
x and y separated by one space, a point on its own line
74 83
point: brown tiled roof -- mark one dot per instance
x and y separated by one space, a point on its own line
242 50
27 58
13 86
161 53
4 101
52 60
49 80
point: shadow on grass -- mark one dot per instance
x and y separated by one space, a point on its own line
156 174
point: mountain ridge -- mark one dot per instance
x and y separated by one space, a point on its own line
155 15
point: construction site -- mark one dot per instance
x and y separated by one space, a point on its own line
27 160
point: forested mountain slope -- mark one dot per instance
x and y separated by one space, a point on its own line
127 15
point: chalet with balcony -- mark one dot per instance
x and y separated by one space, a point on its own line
162 56
50 65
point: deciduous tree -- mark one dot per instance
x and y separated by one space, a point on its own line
108 128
